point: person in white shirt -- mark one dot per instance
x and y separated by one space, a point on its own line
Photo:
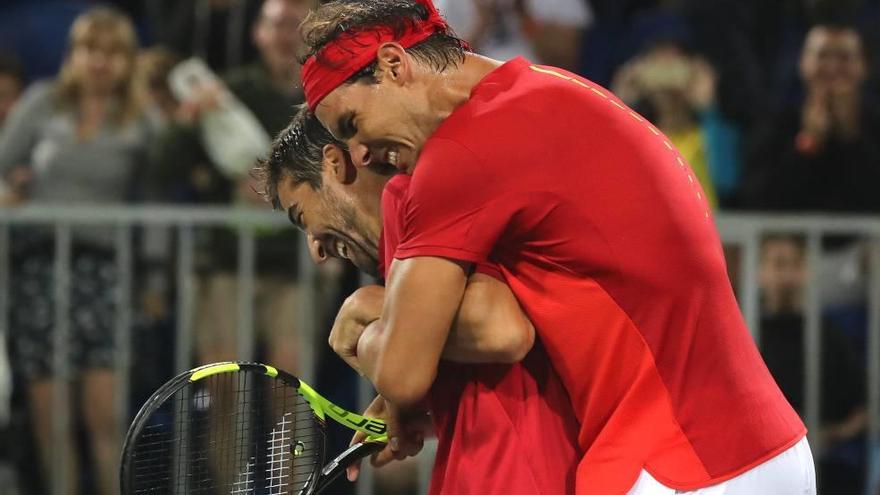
543 31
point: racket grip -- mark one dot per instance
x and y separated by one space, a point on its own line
338 465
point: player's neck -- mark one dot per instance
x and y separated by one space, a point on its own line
453 87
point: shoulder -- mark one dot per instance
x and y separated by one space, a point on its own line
394 196
394 207
521 100
40 95
396 188
449 178
444 163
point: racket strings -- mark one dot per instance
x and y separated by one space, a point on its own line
231 433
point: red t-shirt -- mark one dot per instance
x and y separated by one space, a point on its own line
507 429
605 237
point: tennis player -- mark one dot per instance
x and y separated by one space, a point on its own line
599 228
501 428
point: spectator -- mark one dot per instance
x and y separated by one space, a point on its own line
151 82
755 45
782 278
11 85
79 139
822 155
213 30
746 41
270 89
152 68
544 31
676 91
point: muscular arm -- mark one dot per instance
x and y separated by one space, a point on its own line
400 351
490 326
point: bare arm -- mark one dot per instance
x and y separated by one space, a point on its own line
490 326
400 351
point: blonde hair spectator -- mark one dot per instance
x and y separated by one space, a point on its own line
109 34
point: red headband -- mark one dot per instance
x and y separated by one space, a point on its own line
352 51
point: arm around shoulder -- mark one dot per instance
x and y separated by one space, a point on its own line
490 327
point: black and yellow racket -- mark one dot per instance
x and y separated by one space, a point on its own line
238 428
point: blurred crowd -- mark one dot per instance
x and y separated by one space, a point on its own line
773 104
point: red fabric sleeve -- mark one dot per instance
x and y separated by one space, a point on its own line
453 209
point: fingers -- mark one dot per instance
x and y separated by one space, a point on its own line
376 409
382 458
359 309
352 472
406 436
413 445
345 346
399 448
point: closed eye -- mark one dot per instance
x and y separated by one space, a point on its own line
347 126
294 214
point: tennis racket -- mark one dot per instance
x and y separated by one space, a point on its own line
238 428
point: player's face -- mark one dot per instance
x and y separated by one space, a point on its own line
382 122
334 226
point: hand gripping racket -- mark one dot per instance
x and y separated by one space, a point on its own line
238 428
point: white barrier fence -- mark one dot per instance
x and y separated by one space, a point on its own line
744 232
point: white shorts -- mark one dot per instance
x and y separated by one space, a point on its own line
789 473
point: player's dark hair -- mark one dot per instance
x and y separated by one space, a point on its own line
323 25
297 152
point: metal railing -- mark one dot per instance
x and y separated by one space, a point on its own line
123 220
746 232
742 231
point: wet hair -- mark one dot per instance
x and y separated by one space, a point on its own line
323 25
297 152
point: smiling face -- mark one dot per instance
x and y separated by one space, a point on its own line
386 120
276 32
342 217
833 59
100 64
102 51
332 224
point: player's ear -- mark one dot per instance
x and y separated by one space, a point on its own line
338 163
393 63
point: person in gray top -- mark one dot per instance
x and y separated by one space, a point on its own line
80 139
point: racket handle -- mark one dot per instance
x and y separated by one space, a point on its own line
356 452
